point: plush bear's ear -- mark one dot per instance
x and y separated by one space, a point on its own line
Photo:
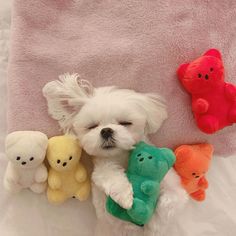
207 149
12 139
214 53
41 139
78 142
169 156
183 154
181 70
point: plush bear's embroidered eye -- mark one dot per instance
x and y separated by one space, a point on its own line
58 161
70 158
199 75
18 158
193 173
211 69
31 158
150 157
139 155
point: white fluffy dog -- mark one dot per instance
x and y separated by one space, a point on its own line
109 122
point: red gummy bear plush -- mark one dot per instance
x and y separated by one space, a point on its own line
213 100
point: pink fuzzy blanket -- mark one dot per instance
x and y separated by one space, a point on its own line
129 43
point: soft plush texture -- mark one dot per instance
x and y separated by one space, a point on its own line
129 43
146 168
192 163
213 100
67 177
26 152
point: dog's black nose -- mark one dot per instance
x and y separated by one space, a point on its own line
206 77
23 163
107 133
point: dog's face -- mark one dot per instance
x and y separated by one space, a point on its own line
106 120
110 122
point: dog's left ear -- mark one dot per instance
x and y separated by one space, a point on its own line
155 110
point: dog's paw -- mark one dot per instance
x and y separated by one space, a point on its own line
122 193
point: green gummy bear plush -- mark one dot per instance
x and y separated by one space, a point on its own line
147 167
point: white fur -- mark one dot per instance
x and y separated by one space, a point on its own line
24 145
84 112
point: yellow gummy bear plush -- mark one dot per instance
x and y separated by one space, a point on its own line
67 177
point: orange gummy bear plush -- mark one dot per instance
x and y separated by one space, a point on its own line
192 162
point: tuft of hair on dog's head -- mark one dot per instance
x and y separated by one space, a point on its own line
107 120
65 97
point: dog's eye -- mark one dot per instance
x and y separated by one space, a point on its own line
125 123
93 126
18 158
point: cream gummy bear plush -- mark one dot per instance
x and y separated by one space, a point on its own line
26 151
67 176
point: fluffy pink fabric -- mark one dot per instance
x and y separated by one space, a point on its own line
129 43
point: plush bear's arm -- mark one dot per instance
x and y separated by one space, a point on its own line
11 174
230 91
149 187
54 180
41 174
203 183
110 177
200 106
11 178
81 173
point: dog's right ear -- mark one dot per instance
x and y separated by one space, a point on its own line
65 98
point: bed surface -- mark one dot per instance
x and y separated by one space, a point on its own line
27 214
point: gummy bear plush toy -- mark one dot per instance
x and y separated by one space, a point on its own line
26 151
192 163
147 167
67 176
213 100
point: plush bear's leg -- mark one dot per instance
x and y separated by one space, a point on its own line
139 211
11 179
38 187
84 191
208 124
56 196
198 195
232 115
